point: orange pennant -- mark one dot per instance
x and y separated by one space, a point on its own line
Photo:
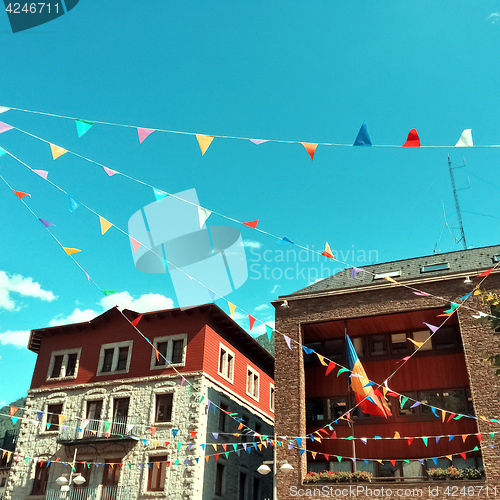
206 458
314 453
13 410
418 344
328 252
391 280
443 415
310 148
252 223
321 359
61 418
444 315
464 437
71 251
204 141
396 435
57 151
20 194
240 426
449 457
105 225
157 353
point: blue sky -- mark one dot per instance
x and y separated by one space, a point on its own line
307 71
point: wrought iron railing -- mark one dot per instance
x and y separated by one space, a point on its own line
88 429
90 493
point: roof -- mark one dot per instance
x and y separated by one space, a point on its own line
459 262
239 337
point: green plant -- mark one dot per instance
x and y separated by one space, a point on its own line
453 473
471 473
362 476
437 473
337 477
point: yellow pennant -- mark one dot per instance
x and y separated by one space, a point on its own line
396 435
449 457
71 251
62 418
8 455
477 292
379 461
57 151
328 252
240 426
259 446
105 225
155 443
443 415
482 417
321 359
204 141
418 344
391 280
314 453
4 453
232 308
237 434
215 446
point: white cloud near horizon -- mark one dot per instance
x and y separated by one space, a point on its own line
25 287
16 338
252 244
495 17
262 307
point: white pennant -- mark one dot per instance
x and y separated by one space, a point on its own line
465 139
3 109
203 215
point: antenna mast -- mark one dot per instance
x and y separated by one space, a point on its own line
457 205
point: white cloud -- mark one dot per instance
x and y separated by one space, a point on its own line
145 303
495 17
23 286
15 338
262 307
252 244
275 288
261 328
3 403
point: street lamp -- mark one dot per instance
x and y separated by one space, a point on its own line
264 469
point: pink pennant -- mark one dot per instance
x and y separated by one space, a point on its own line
86 274
406 358
432 328
135 244
422 294
143 133
4 127
251 321
287 339
109 171
41 173
258 141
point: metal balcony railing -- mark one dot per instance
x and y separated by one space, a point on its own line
90 493
90 430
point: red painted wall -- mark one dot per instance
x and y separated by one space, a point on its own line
211 367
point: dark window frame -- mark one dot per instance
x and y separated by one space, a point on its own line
168 402
157 475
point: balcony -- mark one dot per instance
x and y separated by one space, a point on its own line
85 430
90 493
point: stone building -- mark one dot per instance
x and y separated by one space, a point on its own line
444 398
139 422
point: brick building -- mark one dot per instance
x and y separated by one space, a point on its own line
382 319
100 390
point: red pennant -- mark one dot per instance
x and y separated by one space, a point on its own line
324 431
252 224
462 455
251 321
393 394
378 393
136 320
451 416
217 457
57 459
121 465
334 435
167 443
393 462
193 434
153 430
410 440
478 437
413 140
107 435
486 273
20 194
224 446
331 366
41 462
327 456
13 410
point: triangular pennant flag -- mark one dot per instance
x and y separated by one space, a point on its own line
397 435
464 437
4 127
453 306
364 440
314 453
203 215
450 438
492 435
3 109
331 366
39 415
61 419
153 430
215 435
437 439
179 446
48 424
342 370
57 151
193 434
462 455
287 240
413 139
269 332
71 251
105 225
465 297
73 204
258 141
363 138
444 315
288 341
3 152
252 223
422 294
82 126
312 438
143 133
106 293
310 148
424 439
355 271
339 458
478 437
46 223
486 273
232 308
404 399
391 280
136 320
214 446
435 460
434 411
159 195
465 139
328 252
174 432
15 419
251 321
13 410
206 458
410 440
204 141
302 451
432 328
20 194
42 173
443 415
321 359
110 171
393 462
135 244
307 350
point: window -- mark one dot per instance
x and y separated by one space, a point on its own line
358 345
432 398
435 267
171 348
244 429
157 472
120 416
82 470
271 397
115 357
454 400
406 408
423 336
470 405
219 479
334 349
163 407
41 478
2 482
315 410
252 383
399 345
445 339
94 410
64 363
338 407
226 363
111 475
388 274
53 412
243 485
223 417
377 345
256 488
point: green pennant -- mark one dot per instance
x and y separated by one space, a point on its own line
107 425
235 446
129 466
159 195
190 388
227 454
425 440
492 435
407 461
176 462
475 448
403 401
458 417
342 370
452 307
179 446
82 126
339 458
269 332
108 292
201 399
349 438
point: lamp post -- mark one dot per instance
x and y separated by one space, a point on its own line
65 483
264 469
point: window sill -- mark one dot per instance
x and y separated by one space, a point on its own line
56 379
163 424
226 378
253 397
115 372
166 366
